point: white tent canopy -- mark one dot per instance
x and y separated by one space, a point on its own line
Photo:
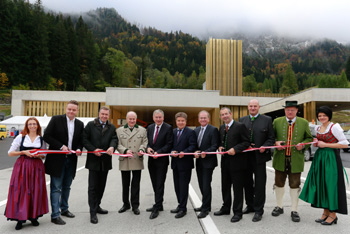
17 122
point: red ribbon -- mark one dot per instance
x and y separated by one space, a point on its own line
43 151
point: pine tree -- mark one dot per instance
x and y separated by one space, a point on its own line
289 84
347 69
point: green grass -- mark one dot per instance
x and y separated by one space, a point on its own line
6 109
342 117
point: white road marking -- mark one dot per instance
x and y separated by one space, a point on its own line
207 223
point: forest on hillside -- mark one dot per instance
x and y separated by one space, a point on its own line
44 50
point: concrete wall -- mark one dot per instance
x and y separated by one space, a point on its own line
20 96
162 97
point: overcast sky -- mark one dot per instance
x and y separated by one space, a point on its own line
299 18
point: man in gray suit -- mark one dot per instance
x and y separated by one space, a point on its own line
261 134
208 140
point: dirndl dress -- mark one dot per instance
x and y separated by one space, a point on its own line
27 195
325 186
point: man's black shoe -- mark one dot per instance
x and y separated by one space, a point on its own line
154 214
198 209
221 212
58 221
93 219
248 210
295 216
123 209
68 214
203 214
136 211
175 211
101 211
236 218
180 214
277 211
257 217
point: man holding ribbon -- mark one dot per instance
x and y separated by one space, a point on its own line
208 141
182 164
160 141
64 132
100 140
132 140
288 160
261 134
234 138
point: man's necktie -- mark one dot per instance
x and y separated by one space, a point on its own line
178 134
290 122
253 118
156 135
226 128
200 136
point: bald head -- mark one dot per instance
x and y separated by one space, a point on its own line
253 107
131 118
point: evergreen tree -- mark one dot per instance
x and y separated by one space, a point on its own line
347 69
249 84
289 84
39 53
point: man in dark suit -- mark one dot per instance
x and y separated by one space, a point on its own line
99 135
64 132
261 134
160 140
234 138
208 140
182 165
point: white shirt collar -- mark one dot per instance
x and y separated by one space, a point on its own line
293 120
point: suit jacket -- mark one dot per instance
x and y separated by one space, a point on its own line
56 135
163 144
210 142
187 143
135 141
301 134
238 139
263 135
97 137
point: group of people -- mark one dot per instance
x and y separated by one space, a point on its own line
244 146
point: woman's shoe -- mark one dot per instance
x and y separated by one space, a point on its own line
35 222
335 220
19 225
321 220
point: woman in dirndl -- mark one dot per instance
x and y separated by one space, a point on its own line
27 196
325 186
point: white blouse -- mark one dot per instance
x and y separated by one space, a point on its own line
27 143
337 132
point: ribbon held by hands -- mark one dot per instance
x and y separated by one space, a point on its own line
44 151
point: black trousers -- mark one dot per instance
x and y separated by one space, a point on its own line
205 176
158 177
255 185
231 178
96 188
182 180
135 188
